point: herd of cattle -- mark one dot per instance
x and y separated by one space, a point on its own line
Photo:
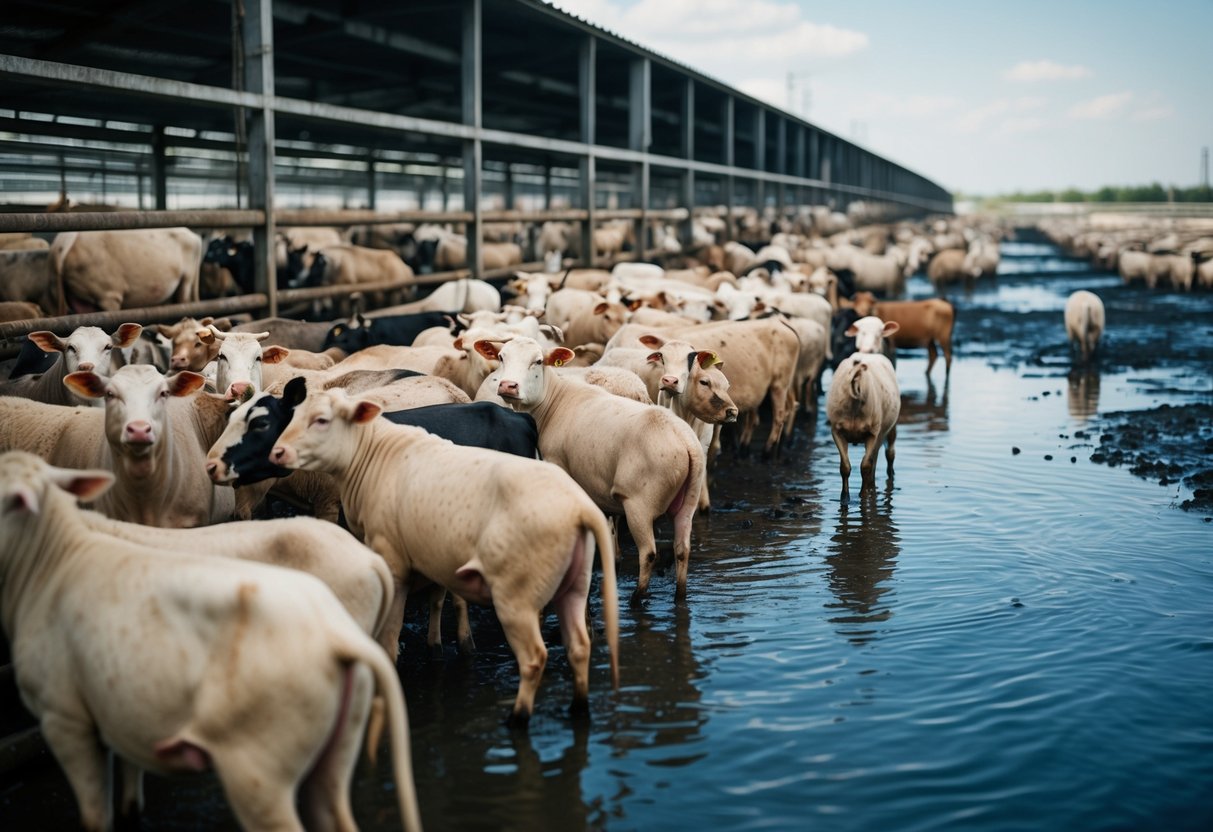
453 445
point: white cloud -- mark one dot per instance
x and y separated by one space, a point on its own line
1154 113
979 117
1045 70
1104 106
718 37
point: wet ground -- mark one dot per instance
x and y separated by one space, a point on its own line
1014 633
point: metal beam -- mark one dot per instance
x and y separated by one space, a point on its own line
159 170
257 42
587 87
640 137
473 150
688 150
728 117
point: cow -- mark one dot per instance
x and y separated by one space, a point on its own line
862 407
360 332
184 663
1084 316
25 275
112 270
459 517
240 457
638 460
189 350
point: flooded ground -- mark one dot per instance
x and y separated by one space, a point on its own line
1012 634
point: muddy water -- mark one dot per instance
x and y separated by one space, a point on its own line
995 639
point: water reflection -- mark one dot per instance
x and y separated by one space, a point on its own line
925 411
861 558
660 706
1082 393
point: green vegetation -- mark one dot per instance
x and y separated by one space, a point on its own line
1123 193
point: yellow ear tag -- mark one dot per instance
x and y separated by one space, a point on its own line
557 362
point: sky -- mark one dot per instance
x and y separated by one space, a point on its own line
982 97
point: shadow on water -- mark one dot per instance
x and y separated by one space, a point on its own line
860 560
1082 393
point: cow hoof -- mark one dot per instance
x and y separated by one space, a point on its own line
467 647
518 721
580 709
436 652
638 598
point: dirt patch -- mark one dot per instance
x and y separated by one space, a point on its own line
1167 444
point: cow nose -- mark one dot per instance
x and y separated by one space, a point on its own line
212 470
179 362
237 389
730 415
278 455
85 367
669 383
507 389
139 432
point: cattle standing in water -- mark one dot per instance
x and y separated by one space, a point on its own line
864 402
462 517
1084 322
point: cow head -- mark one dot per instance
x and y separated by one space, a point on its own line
350 336
88 348
319 436
521 379
869 333
238 364
189 351
25 485
136 404
241 455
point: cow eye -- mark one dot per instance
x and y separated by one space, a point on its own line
71 348
221 357
109 347
259 425
320 421
164 394
704 382
257 360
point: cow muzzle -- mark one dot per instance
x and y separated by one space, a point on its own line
282 455
730 415
670 384
507 389
236 390
217 470
138 433
179 362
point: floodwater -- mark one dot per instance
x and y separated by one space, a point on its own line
993 640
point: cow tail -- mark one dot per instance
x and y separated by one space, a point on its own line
387 682
596 525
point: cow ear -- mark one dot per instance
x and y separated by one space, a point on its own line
87 485
458 343
48 341
852 331
222 324
185 383
126 335
707 359
365 411
274 354
84 383
654 358
601 308
653 342
633 305
890 327
207 321
487 349
559 357
206 336
294 392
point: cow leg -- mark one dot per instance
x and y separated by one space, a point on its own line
682 546
640 524
521 626
433 639
931 355
748 422
258 799
325 798
705 500
867 467
389 637
779 415
467 647
74 744
249 497
132 789
571 611
844 459
889 453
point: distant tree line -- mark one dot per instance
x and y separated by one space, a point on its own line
1109 193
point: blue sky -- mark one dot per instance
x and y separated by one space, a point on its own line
983 97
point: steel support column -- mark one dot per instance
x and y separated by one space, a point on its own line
728 143
760 158
640 136
159 170
688 151
371 189
781 163
587 87
473 152
258 29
